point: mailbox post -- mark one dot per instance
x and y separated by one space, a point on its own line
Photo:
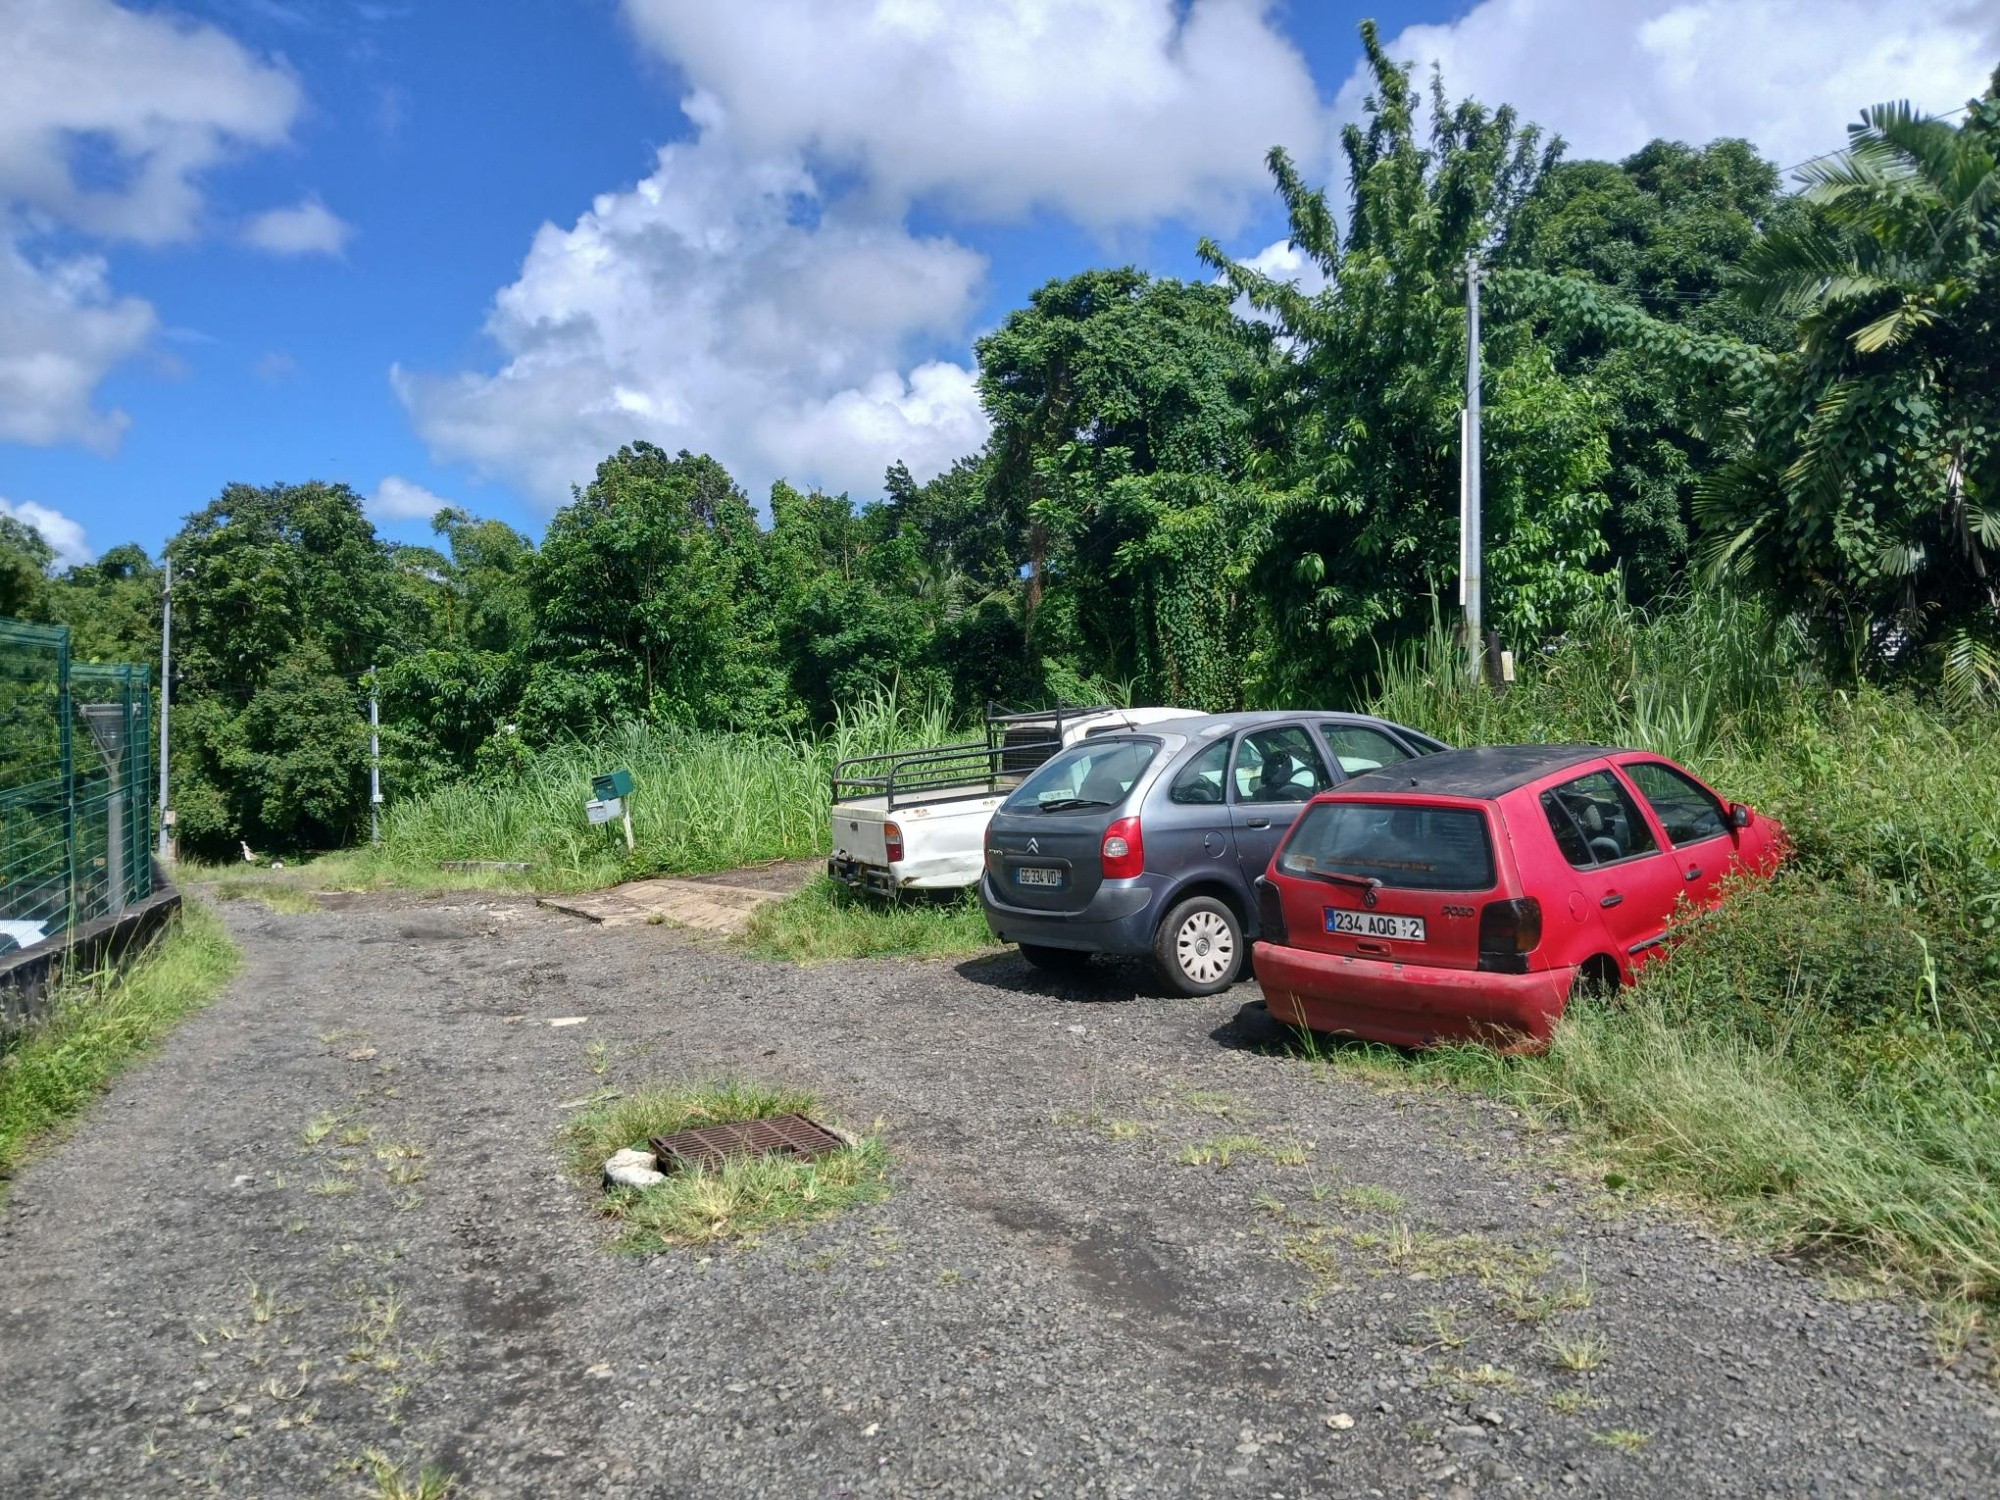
611 797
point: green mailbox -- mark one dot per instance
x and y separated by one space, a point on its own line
613 785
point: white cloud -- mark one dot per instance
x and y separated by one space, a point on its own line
400 499
150 99
723 305
1282 261
760 295
306 228
62 329
107 118
57 529
1112 112
1787 74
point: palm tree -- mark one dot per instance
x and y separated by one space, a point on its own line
1868 481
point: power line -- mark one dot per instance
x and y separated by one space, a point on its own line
1840 150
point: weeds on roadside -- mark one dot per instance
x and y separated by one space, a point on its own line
1578 1353
741 1200
394 1481
96 1025
826 921
281 896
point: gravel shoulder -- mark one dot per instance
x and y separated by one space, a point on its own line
1127 1253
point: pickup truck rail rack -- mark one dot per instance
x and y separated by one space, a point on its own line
1016 743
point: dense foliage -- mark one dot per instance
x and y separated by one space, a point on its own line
1213 494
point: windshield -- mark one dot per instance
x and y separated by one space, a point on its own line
1094 774
1397 844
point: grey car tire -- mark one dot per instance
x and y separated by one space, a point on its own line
1198 949
1056 960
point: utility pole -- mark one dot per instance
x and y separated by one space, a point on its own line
1471 569
374 763
166 698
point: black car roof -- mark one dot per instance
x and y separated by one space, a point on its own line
1481 771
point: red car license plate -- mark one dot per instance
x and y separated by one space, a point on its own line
1375 925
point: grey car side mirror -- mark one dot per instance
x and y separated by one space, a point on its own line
1739 815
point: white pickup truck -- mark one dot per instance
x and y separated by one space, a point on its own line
916 819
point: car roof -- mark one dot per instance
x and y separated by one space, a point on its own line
1203 725
1482 771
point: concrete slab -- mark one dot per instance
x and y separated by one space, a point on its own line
707 903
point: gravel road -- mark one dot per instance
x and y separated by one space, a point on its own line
1127 1253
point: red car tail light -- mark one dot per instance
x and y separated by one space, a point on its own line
1124 850
892 841
1508 932
1271 913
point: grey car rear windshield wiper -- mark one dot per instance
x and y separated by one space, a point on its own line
1069 804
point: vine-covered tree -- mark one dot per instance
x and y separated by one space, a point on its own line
1662 230
1121 439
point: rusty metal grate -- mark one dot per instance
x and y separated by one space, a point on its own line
711 1145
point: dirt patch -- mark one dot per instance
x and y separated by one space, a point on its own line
332 1215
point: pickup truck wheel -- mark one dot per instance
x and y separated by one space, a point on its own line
1199 948
1056 960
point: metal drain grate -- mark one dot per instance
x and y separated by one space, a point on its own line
711 1145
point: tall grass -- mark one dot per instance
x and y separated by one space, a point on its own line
96 1025
1817 1055
701 801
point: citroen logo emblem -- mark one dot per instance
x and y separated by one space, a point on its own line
1033 847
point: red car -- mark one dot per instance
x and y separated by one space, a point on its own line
1465 896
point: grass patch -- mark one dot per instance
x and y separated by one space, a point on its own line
747 1197
96 1025
286 897
826 921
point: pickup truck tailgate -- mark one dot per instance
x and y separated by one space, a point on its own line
857 831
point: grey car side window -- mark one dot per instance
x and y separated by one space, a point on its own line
1278 765
1361 749
1201 782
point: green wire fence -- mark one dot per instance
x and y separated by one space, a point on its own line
76 767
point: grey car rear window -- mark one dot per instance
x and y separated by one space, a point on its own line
1094 774
1412 847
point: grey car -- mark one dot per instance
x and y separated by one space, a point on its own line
1149 842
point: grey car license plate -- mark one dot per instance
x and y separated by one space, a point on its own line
1036 875
1375 924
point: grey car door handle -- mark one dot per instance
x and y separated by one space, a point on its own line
1256 822
1694 872
1611 900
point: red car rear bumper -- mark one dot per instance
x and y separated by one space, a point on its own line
1410 1005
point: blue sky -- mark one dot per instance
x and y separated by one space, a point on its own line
265 240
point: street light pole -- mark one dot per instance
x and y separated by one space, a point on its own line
374 764
1470 540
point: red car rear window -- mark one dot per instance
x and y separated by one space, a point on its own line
1412 847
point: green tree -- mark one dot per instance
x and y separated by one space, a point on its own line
1865 485
1662 230
112 606
445 701
1119 447
647 600
1358 413
283 599
25 560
